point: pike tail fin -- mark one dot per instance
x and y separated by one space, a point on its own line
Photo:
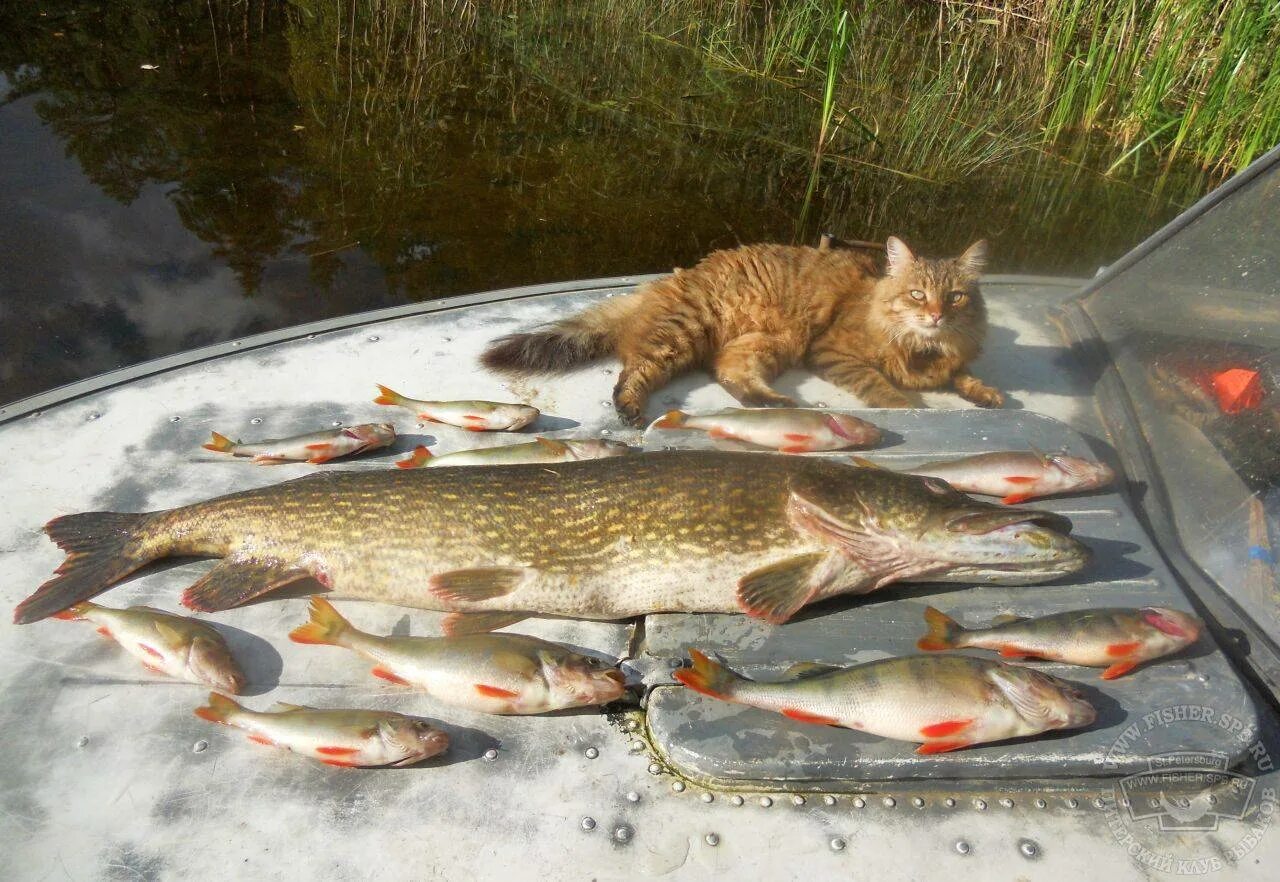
388 396
708 677
943 631
219 444
102 548
325 628
219 709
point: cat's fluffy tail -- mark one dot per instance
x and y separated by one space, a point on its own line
562 345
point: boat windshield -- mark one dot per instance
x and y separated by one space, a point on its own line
1193 327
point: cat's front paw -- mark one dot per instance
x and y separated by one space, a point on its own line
984 396
895 400
772 399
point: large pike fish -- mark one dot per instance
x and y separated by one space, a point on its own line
680 531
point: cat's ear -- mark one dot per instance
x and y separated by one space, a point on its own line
974 257
900 256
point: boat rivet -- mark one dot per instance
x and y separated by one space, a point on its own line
491 754
200 746
918 802
311 336
94 416
591 753
336 423
838 844
630 726
256 420
1099 802
765 802
632 796
1006 802
588 823
637 747
235 343
859 802
374 338
82 741
889 802
707 797
1040 803
980 804
1213 800
606 404
829 800
606 432
655 769
962 847
797 800
677 786
712 839
175 419
622 834
1028 848
1072 802
949 802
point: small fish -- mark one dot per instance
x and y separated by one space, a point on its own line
538 450
340 737
1117 639
316 447
475 416
788 429
941 706
176 646
1019 476
490 673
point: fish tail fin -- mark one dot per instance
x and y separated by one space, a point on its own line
708 677
943 631
325 628
672 419
577 340
219 709
219 444
415 460
102 548
74 613
388 396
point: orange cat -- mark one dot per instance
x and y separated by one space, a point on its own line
750 313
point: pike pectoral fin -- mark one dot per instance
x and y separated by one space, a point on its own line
235 581
775 592
455 624
476 583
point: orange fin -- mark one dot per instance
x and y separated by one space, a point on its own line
219 444
318 460
388 396
776 591
1020 479
794 448
261 739
1118 649
151 650
672 419
942 746
1015 498
322 445
337 751
797 436
494 692
717 432
943 729
1011 651
415 460
802 716
103 630
707 677
219 709
340 763
1119 669
325 627
942 631
389 675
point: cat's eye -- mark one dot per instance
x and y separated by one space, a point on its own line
917 296
957 297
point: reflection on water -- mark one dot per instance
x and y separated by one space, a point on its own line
283 163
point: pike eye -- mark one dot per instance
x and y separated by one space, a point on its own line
917 296
957 297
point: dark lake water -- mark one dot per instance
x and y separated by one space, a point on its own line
174 174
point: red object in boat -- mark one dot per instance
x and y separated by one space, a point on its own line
1237 389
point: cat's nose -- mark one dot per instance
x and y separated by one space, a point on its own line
937 317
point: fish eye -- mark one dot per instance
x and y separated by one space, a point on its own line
957 297
917 296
